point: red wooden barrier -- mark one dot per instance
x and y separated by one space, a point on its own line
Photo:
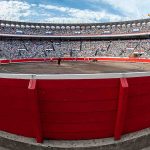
138 113
74 109
15 107
75 59
122 108
32 93
78 109
4 61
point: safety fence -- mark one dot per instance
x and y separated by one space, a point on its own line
125 59
74 108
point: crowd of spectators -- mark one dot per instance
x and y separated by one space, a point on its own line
74 29
18 49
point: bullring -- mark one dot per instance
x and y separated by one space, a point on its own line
74 106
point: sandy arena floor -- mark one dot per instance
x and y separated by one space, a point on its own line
74 67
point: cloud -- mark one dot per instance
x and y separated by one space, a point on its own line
21 10
14 10
133 9
76 15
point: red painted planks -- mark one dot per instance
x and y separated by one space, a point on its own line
74 109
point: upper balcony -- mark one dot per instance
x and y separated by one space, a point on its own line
91 30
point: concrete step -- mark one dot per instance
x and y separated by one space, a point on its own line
2 148
148 148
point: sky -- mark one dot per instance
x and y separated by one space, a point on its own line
73 11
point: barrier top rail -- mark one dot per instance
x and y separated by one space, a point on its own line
74 76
